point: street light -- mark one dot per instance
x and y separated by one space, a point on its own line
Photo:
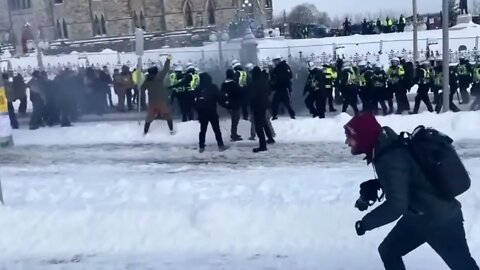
41 46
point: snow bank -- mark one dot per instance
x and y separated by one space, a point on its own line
280 211
460 126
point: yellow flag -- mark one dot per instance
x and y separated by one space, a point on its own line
3 101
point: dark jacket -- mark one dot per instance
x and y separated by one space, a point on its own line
407 191
157 92
260 91
314 81
207 96
232 93
282 76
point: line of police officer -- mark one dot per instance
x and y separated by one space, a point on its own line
375 86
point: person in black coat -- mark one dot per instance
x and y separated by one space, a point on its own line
260 103
232 101
207 95
281 77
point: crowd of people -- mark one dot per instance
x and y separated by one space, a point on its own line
374 86
245 92
376 27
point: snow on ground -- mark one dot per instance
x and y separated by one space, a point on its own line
464 34
458 125
101 196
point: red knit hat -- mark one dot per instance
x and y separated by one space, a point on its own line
365 129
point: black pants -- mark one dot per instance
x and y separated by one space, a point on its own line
465 95
185 101
235 115
310 103
109 98
261 127
282 96
422 95
316 103
439 103
129 98
36 119
12 116
402 101
22 109
330 99
386 110
349 98
447 239
212 118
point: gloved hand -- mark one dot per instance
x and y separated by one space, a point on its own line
169 57
360 228
361 205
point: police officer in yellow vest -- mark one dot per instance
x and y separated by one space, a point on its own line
424 79
138 78
187 85
396 74
476 88
349 88
330 77
241 77
179 92
465 72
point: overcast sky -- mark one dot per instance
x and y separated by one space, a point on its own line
342 7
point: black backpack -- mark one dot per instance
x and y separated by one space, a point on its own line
434 152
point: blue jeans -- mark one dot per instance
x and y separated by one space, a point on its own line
447 238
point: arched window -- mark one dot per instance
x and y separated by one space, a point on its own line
268 3
28 4
65 29
104 25
96 27
135 20
211 12
142 21
188 14
59 30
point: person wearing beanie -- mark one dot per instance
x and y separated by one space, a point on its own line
425 216
158 100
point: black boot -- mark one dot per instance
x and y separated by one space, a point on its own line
260 149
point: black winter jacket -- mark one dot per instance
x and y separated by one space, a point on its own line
408 193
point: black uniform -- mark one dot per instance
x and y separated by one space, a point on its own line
260 103
281 77
464 72
423 80
241 78
185 96
349 90
232 100
315 90
380 89
207 95
453 91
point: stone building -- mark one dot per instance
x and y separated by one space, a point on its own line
84 19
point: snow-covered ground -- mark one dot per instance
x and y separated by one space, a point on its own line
102 196
463 34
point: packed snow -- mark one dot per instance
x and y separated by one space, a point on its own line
102 196
460 126
464 34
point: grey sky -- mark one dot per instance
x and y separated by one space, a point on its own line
342 7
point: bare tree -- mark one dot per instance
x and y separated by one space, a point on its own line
308 14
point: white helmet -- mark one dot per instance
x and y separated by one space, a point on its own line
278 57
311 66
178 68
235 61
249 66
236 65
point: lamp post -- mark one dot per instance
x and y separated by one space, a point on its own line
415 31
446 58
40 46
